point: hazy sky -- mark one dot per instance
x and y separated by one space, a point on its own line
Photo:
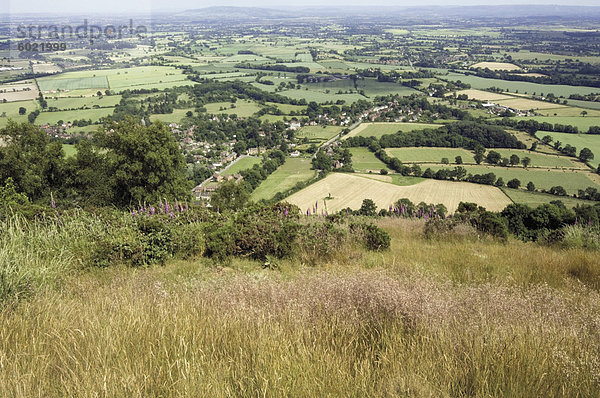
82 6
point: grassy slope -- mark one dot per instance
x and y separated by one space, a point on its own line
448 317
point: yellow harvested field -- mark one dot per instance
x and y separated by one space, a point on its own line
349 190
18 91
526 104
531 74
484 95
496 66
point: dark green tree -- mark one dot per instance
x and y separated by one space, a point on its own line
144 162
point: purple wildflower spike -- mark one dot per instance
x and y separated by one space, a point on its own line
52 202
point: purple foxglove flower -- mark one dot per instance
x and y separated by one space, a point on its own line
52 202
285 212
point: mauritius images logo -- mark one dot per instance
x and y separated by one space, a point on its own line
84 31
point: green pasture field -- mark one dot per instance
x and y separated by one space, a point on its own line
535 199
571 181
569 111
540 159
363 160
242 108
319 96
293 171
274 118
318 134
379 129
69 116
370 87
480 83
579 141
56 82
10 110
584 104
244 163
66 103
582 123
174 117
430 155
116 79
525 55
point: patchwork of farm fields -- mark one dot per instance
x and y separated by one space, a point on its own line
65 103
379 129
477 82
293 171
115 79
348 190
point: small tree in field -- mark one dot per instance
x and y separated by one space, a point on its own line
514 160
530 186
586 155
458 160
526 161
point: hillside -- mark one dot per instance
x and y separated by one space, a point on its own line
447 316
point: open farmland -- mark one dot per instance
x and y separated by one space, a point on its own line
243 163
582 123
570 180
379 129
174 117
58 82
579 141
293 171
318 134
496 66
365 160
525 104
349 190
116 80
10 110
430 155
68 116
18 91
66 103
483 95
477 82
535 199
241 108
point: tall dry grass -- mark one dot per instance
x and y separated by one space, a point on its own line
321 333
449 318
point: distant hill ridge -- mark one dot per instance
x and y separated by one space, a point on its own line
501 11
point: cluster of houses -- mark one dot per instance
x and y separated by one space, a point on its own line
497 109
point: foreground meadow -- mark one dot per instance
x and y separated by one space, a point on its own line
458 316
